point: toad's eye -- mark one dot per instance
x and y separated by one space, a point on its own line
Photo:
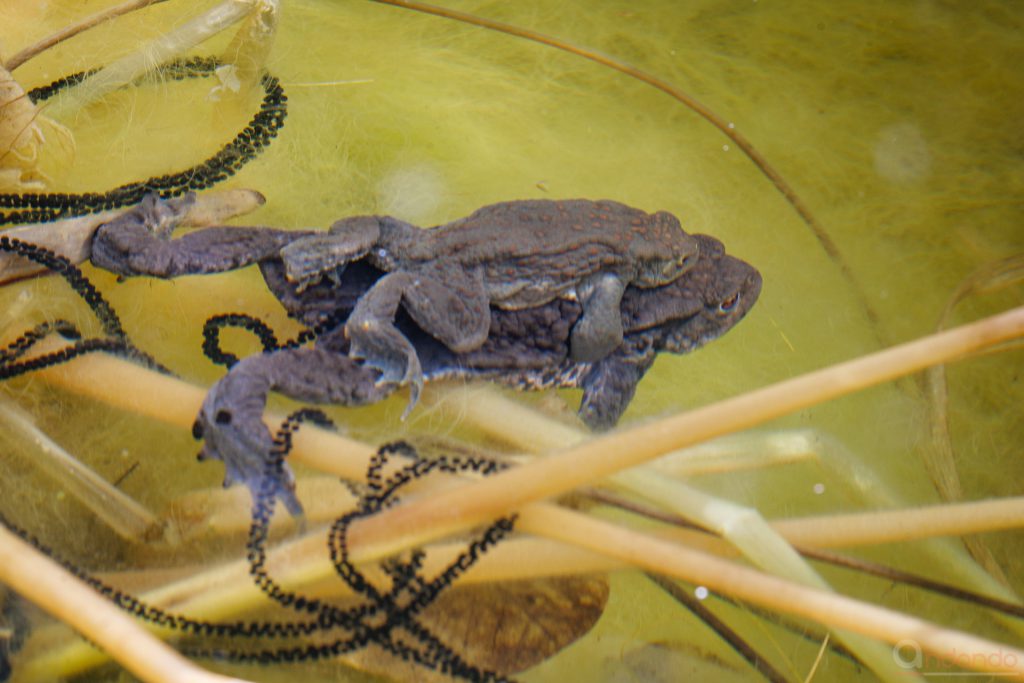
729 303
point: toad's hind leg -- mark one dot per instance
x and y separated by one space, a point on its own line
599 330
451 307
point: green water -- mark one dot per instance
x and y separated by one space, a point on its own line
897 123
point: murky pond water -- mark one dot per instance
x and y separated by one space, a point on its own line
897 124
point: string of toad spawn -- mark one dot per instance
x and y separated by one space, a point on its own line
257 134
115 341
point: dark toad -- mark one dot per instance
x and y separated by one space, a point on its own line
510 255
527 348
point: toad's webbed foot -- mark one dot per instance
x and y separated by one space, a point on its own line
139 242
599 331
231 426
609 387
231 419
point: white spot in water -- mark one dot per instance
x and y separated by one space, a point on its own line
412 193
700 592
731 125
902 155
725 148
819 488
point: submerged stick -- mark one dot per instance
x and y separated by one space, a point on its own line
129 519
72 237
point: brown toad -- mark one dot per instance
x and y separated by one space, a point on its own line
512 255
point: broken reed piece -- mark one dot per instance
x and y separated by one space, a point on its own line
174 42
120 512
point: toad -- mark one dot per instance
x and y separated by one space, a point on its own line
510 255
529 348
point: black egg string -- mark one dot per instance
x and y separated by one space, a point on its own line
257 134
211 336
115 342
268 339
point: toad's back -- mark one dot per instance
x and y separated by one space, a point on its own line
555 235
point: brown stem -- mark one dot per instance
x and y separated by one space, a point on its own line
74 29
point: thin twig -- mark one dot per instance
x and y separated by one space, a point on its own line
817 660
735 641
911 579
74 29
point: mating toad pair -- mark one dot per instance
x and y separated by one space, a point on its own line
530 293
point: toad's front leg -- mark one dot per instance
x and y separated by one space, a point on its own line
599 330
139 243
231 419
